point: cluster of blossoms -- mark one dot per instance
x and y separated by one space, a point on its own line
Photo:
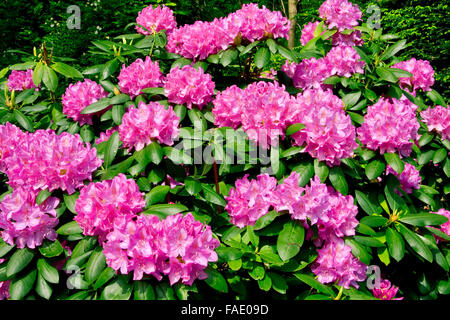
139 75
249 107
438 119
100 203
78 96
4 288
333 213
155 20
386 291
189 86
24 223
20 80
329 133
310 73
445 227
147 122
340 14
177 246
250 23
409 178
389 125
45 160
10 137
422 75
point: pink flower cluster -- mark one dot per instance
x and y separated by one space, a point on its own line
308 32
10 138
177 246
250 107
438 119
78 96
342 61
336 263
445 227
45 160
329 134
423 75
140 126
155 20
4 289
24 223
100 203
250 23
386 291
389 125
250 200
189 86
139 75
340 14
20 80
409 178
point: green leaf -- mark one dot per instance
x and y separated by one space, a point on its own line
351 99
153 91
42 287
143 291
436 97
213 196
215 280
374 221
51 249
228 56
167 209
106 275
248 48
95 265
23 120
272 45
401 73
395 162
305 171
439 233
425 139
5 70
275 159
112 146
50 78
177 156
279 284
313 283
110 67
395 243
66 70
42 196
338 181
180 63
229 253
69 228
165 292
290 240
192 186
368 241
18 261
288 54
70 200
38 73
266 283
47 271
23 66
262 57
94 69
439 156
269 255
321 170
424 219
395 201
119 99
393 49
97 106
425 157
257 272
386 74
156 195
359 251
374 169
119 289
4 248
415 242
369 206
19 287
294 128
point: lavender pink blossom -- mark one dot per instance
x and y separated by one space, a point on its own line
340 14
422 75
409 178
437 119
155 20
386 291
20 80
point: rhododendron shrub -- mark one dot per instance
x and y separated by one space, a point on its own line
188 164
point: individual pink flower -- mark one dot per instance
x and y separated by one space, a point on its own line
139 75
445 227
352 39
386 291
409 178
104 136
141 126
228 107
177 246
171 182
310 73
20 80
4 289
308 32
340 14
389 125
329 134
250 200
189 86
100 203
78 96
422 71
289 68
261 99
437 119
46 160
10 138
24 223
336 263
344 61
155 20
288 194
